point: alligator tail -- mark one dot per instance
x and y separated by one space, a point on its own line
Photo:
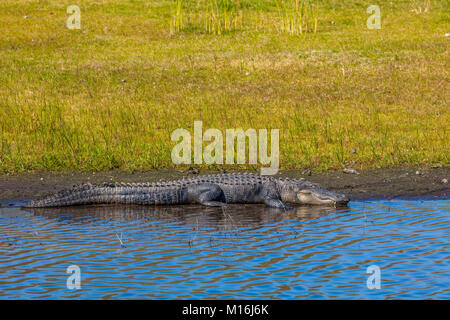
123 193
78 195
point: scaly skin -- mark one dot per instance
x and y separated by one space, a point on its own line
211 190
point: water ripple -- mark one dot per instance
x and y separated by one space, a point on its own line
244 252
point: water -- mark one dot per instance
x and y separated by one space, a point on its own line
244 252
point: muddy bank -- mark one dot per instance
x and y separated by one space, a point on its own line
368 184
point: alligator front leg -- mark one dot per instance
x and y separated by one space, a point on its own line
276 203
206 194
270 196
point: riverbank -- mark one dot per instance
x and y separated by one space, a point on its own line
109 95
369 184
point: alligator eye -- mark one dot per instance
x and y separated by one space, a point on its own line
305 191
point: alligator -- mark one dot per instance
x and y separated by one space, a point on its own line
208 190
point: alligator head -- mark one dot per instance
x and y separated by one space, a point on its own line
310 193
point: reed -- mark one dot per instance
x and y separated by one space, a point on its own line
208 16
222 16
176 22
297 16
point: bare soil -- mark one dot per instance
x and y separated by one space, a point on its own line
387 183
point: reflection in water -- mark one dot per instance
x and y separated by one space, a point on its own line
232 214
233 252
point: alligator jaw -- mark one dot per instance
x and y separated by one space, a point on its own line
337 199
319 196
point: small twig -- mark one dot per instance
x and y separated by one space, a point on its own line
191 241
120 239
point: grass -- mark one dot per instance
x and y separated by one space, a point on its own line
109 95
176 24
297 16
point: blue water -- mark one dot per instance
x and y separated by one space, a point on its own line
244 252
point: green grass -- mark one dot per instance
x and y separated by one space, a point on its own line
343 95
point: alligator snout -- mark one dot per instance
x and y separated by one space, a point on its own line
343 200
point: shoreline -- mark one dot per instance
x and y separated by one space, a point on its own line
369 184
